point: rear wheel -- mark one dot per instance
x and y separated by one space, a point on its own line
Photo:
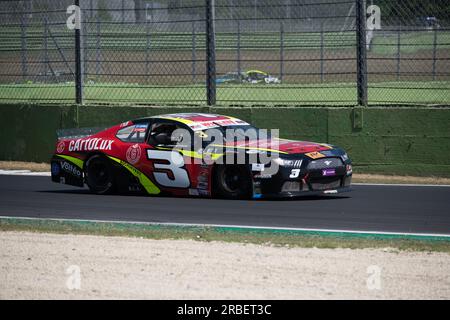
232 182
99 175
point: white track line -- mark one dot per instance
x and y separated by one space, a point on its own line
400 184
174 224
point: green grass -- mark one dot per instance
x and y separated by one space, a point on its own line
130 37
135 38
283 238
437 92
410 43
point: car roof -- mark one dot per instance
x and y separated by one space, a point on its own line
199 121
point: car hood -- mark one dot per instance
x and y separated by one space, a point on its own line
281 145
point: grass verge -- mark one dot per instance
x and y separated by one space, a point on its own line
277 238
417 93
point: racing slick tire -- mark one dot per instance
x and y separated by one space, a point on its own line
99 175
232 182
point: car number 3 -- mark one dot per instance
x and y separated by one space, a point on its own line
175 165
294 173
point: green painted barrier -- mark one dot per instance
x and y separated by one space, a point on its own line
393 140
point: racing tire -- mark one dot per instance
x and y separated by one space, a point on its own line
232 182
99 175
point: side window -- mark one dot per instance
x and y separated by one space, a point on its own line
133 133
162 134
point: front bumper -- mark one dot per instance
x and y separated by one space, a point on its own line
298 194
315 178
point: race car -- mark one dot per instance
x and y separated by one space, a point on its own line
231 77
257 76
250 76
199 154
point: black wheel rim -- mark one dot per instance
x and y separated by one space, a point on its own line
232 179
99 174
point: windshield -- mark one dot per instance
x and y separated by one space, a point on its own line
226 134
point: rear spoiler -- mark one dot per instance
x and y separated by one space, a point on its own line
76 133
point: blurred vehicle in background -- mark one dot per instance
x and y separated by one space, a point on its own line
250 76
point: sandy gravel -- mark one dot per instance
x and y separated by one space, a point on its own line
38 266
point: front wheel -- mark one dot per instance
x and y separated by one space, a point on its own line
232 182
99 175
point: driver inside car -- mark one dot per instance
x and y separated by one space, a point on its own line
161 133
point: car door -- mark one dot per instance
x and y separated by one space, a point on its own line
163 152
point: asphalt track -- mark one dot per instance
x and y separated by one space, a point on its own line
412 209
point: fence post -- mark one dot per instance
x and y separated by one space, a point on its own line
85 45
194 53
321 51
210 54
46 58
361 52
123 12
434 52
98 46
23 38
239 46
398 54
147 50
281 50
78 64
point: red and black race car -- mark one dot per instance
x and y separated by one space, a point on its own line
199 154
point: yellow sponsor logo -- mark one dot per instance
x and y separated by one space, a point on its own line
315 155
76 161
148 185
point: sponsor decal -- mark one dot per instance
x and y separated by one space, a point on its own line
66 166
124 124
328 172
55 168
262 176
140 127
327 162
314 155
149 186
257 167
133 154
60 147
202 125
90 144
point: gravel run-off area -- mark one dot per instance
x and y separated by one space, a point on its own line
56 266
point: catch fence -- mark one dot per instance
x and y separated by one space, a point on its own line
226 52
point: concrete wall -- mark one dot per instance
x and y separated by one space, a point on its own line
401 140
